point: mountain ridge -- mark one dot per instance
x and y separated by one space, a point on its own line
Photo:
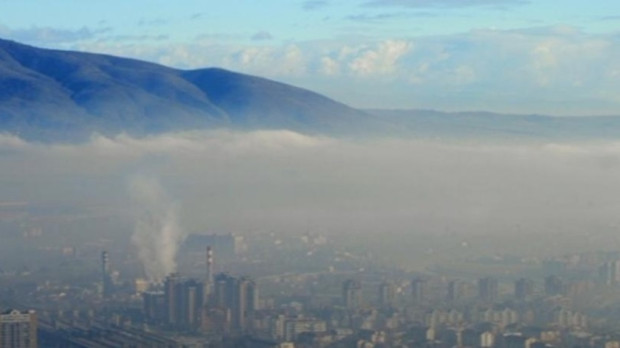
65 96
489 125
55 94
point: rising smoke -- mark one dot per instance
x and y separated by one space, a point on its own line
156 233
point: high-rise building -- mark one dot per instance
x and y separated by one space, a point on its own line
387 294
352 294
247 303
191 303
488 289
18 329
609 273
209 276
252 295
222 290
106 279
154 306
236 296
524 289
420 290
171 285
183 301
554 285
456 290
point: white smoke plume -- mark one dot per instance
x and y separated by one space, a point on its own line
156 232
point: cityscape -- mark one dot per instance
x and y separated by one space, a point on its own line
309 174
233 291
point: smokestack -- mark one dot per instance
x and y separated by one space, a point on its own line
208 284
105 274
209 264
105 263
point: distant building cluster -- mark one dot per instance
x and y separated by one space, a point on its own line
348 302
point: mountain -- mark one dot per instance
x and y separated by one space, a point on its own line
62 95
53 95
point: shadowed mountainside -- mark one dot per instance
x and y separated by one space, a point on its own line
62 95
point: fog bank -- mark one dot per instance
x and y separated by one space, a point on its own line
227 181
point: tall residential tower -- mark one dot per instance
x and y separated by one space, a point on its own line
18 329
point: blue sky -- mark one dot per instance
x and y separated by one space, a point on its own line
519 56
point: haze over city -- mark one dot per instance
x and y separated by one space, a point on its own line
363 173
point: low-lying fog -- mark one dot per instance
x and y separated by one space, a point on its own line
227 181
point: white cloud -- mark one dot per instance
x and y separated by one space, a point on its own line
329 66
381 60
287 61
49 36
464 75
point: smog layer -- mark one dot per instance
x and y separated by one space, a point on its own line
245 181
